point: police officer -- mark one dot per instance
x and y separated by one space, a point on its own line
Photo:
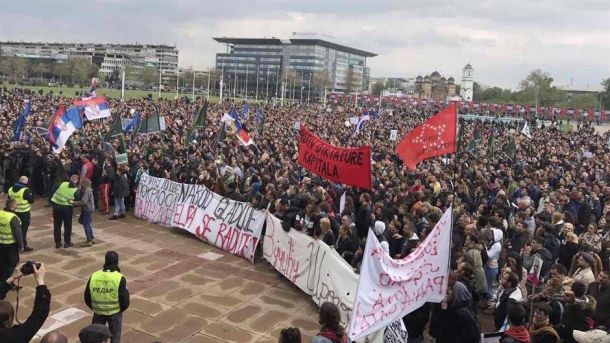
10 239
24 199
107 295
62 211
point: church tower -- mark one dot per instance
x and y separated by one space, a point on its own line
467 83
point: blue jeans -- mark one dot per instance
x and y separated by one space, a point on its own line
490 276
119 206
87 220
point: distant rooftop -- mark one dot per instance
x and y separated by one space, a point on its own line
303 39
128 45
581 88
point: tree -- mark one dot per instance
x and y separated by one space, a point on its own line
605 96
14 67
476 91
491 93
537 88
378 87
583 101
349 81
148 76
319 81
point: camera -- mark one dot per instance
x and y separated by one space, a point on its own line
28 267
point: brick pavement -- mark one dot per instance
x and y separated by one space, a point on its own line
175 295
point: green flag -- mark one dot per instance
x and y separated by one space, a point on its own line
116 129
511 149
202 116
219 136
149 124
472 146
491 147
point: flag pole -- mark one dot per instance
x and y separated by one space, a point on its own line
256 95
193 89
246 82
222 79
177 78
209 75
123 85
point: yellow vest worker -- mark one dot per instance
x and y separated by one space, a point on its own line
62 201
107 295
10 240
104 289
22 204
64 194
6 232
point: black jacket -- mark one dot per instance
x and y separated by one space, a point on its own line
457 324
26 331
363 221
123 292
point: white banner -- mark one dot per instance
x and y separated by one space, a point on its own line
317 270
389 289
156 200
393 135
230 225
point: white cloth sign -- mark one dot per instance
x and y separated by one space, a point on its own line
526 131
156 200
315 268
354 120
230 225
342 203
393 135
389 289
162 125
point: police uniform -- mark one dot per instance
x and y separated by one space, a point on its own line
106 294
62 213
22 210
10 244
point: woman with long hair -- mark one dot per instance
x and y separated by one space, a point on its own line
514 263
331 330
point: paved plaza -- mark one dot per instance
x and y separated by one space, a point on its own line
179 293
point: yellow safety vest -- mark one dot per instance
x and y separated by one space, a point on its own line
6 233
22 204
104 289
64 194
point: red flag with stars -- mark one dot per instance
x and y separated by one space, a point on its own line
436 136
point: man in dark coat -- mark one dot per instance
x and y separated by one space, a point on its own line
363 216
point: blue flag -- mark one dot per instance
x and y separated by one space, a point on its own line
21 121
133 123
245 111
259 115
236 118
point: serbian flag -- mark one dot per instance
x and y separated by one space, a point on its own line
436 136
363 117
63 124
95 107
242 135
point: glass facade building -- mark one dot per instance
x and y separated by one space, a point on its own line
298 64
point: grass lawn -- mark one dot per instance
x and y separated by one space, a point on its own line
129 94
567 128
109 92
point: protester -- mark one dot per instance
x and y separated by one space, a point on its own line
541 330
95 333
454 321
87 208
331 330
54 336
290 335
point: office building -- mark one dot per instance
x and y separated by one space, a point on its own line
303 63
110 58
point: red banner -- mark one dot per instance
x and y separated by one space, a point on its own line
350 166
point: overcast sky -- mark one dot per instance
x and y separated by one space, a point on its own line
503 40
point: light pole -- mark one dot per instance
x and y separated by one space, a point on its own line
267 90
256 95
209 76
246 81
308 88
193 89
177 85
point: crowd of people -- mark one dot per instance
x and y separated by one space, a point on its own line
531 239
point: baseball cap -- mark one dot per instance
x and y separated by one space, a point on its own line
94 333
593 336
